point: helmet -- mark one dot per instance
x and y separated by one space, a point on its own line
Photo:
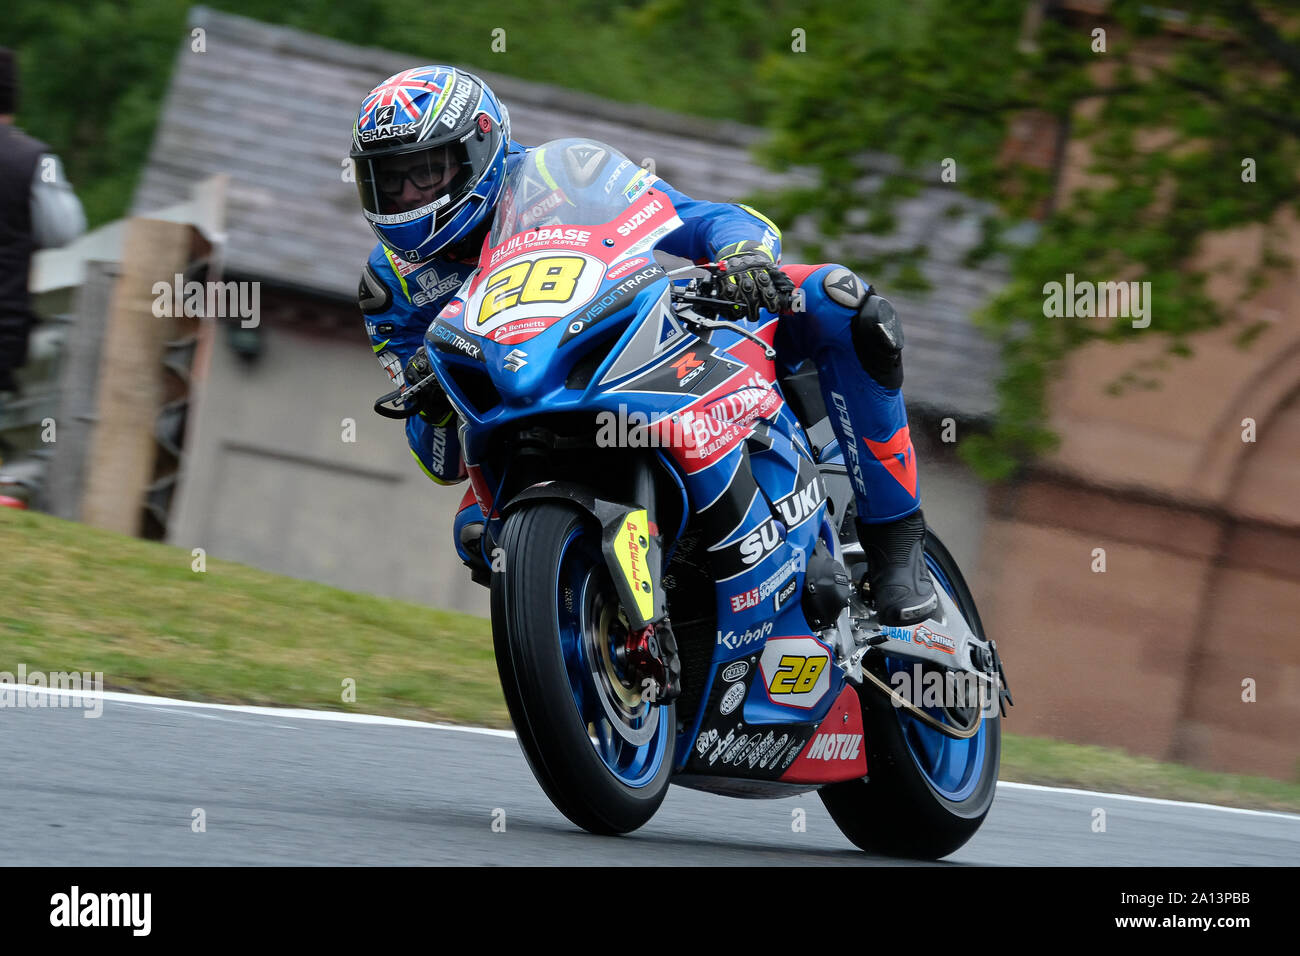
429 147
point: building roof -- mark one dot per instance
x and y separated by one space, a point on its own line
273 107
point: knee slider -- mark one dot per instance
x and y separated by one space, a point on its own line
878 340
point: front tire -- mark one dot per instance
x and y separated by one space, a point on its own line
925 794
602 755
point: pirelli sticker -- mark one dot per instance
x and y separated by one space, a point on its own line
631 545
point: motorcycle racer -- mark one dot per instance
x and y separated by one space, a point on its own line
432 149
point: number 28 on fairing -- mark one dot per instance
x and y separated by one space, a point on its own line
794 670
534 285
796 675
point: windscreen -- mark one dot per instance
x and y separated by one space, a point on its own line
576 182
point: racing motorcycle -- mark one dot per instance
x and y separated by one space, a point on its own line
612 410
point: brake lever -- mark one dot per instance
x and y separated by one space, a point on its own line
383 408
407 411
702 322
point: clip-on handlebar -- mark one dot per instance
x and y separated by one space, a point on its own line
699 292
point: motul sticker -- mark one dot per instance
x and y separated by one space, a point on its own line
836 751
834 747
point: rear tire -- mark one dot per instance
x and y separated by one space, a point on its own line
900 809
552 607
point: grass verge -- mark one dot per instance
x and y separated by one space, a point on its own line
76 598
79 599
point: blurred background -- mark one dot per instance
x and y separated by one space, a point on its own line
1124 499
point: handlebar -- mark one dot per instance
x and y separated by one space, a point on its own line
384 407
690 295
698 293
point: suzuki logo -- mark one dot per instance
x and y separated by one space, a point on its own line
761 542
516 360
800 504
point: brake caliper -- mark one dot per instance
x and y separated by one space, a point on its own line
651 659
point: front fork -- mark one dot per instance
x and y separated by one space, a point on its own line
632 546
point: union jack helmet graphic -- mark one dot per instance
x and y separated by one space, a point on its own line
429 146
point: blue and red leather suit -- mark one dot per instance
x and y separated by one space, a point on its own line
400 299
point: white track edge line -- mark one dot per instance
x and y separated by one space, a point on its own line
301 713
1157 800
376 719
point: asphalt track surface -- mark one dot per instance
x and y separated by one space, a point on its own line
296 788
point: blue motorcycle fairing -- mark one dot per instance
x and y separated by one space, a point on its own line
505 350
398 299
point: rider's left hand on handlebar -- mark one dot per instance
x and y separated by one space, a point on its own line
431 400
753 281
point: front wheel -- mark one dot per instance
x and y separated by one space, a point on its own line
602 754
926 793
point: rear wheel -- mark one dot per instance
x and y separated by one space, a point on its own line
926 793
602 754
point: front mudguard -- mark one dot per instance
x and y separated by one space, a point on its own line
630 542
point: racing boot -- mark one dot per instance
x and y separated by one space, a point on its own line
471 550
468 530
900 583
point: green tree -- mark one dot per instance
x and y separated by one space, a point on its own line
95 74
1218 80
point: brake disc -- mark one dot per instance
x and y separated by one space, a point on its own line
622 703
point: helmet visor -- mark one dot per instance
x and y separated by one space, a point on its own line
403 186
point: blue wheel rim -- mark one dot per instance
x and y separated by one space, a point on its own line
585 598
952 767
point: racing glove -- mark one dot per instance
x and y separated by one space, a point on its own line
431 400
753 281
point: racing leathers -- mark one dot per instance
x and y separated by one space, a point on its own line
839 327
